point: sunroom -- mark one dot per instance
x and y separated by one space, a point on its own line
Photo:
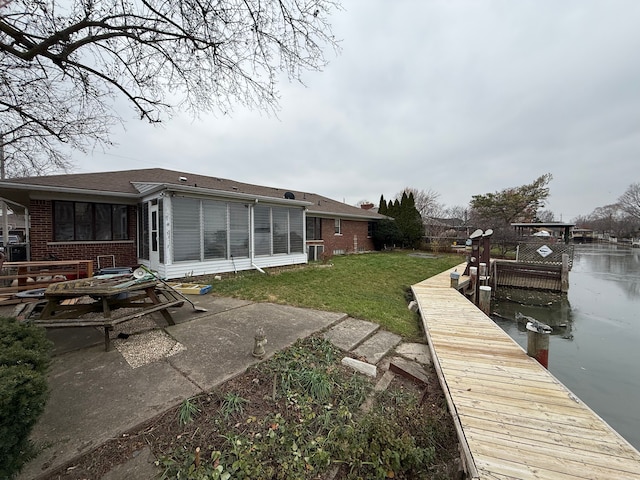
184 232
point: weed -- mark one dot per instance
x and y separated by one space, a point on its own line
184 464
317 384
378 448
232 404
187 411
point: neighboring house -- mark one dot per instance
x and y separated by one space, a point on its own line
560 230
180 223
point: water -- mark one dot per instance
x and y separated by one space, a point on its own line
595 345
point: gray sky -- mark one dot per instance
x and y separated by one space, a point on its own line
457 97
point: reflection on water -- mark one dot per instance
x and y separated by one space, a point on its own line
596 331
620 266
549 308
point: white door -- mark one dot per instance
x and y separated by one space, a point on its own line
154 244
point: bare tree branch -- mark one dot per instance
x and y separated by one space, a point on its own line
62 63
629 201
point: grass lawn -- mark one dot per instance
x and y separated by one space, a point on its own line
373 286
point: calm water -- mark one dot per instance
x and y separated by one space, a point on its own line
595 346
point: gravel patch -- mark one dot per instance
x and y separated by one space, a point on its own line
146 347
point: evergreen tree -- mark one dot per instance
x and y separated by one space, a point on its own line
386 234
409 222
406 228
382 207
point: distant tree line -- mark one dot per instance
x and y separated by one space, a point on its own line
412 209
620 219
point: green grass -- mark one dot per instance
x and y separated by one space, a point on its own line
374 287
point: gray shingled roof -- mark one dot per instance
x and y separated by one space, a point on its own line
122 182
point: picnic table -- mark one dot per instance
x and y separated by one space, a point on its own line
62 306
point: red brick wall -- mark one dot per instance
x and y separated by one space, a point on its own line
42 244
345 241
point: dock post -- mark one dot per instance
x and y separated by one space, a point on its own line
538 342
483 274
484 299
455 278
564 275
473 281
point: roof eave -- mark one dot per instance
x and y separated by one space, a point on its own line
234 195
349 216
67 190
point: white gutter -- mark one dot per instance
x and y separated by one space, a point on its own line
235 195
49 189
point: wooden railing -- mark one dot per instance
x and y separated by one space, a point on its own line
18 277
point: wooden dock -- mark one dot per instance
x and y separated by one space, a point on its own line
514 419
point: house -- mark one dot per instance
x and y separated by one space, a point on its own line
180 223
559 230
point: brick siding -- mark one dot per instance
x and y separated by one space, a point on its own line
354 235
43 247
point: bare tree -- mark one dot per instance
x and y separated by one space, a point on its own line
426 202
629 201
545 216
612 219
457 211
63 63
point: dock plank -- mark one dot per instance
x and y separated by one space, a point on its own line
514 419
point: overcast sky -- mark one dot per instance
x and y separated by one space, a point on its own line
457 97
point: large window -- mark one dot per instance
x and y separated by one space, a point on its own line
278 230
143 230
84 221
214 216
186 229
239 230
296 240
262 229
314 230
211 229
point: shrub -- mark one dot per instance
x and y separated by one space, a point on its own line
24 359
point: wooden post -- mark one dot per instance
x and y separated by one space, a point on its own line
564 279
473 280
483 274
538 342
484 301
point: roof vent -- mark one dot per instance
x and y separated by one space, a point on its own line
289 196
182 179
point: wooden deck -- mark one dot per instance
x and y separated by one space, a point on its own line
515 420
